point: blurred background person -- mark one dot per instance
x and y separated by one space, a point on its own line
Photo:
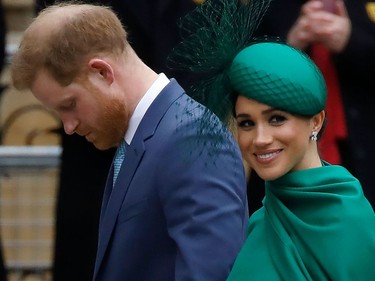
2 42
2 37
340 37
153 31
2 62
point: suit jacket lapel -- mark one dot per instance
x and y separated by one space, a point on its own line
114 197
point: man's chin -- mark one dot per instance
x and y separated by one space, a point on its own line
100 145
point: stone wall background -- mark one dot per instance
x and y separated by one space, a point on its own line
27 196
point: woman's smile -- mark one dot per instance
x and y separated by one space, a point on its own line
267 157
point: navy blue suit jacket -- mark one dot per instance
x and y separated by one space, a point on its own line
178 209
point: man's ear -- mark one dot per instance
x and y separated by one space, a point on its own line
101 68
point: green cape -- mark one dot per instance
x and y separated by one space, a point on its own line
316 224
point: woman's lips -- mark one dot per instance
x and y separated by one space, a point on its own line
266 157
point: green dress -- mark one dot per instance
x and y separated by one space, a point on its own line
315 224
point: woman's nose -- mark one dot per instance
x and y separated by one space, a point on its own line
262 136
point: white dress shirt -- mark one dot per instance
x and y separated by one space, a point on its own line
144 104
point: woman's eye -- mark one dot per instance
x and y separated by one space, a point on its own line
276 119
245 123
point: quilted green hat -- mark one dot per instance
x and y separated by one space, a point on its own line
280 76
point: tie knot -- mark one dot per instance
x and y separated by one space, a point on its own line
121 148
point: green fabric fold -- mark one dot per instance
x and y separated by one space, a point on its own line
315 224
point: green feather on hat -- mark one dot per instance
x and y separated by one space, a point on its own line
218 45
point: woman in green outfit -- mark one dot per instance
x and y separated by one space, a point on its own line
315 223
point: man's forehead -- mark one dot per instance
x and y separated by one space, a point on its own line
46 89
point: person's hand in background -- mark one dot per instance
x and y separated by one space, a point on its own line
317 25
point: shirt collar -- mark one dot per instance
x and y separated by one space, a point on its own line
144 104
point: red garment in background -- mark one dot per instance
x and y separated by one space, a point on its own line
336 126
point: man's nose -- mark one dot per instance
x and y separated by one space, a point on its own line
70 124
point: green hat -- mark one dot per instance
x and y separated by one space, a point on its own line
280 76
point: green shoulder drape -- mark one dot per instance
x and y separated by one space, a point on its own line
315 224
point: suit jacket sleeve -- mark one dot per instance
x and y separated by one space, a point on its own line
204 199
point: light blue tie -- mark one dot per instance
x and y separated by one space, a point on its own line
119 158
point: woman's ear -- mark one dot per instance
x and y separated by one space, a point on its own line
318 120
101 69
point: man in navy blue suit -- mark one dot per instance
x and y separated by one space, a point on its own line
152 31
177 209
